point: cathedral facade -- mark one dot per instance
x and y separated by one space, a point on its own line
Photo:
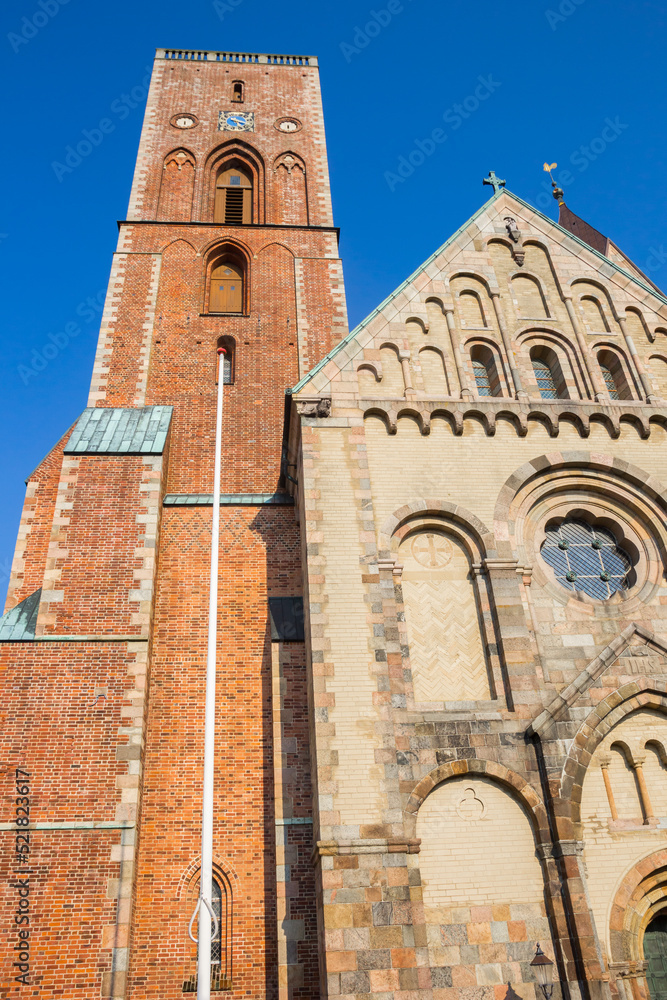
442 672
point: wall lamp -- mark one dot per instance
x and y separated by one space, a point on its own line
543 968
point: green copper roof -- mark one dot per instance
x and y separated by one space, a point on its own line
357 330
228 500
102 431
18 625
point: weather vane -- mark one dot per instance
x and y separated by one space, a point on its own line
557 192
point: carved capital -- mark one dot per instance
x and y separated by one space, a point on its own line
568 848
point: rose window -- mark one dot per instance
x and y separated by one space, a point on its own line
586 558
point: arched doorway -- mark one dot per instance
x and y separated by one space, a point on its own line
655 954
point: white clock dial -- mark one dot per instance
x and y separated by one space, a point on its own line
184 122
288 127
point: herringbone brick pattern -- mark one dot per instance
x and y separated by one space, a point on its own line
446 651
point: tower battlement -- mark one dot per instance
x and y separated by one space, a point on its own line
260 58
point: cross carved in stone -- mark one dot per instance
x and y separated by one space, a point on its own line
432 550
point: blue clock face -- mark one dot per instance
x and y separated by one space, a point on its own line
236 121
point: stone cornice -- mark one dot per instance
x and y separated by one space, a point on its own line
580 412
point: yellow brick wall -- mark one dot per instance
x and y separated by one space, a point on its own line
470 470
446 652
352 686
477 847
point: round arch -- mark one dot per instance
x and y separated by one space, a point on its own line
644 692
406 518
510 780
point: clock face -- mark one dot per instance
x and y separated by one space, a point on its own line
184 121
288 125
236 121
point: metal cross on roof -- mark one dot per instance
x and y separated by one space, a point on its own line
494 181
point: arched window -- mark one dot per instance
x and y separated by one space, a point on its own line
216 903
229 362
237 92
221 939
226 293
613 375
233 197
548 374
485 371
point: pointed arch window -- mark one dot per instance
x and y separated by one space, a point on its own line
548 374
485 371
227 287
233 197
221 940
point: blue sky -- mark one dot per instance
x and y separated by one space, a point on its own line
579 82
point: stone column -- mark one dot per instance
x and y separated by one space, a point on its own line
601 394
519 390
644 798
604 765
466 389
634 359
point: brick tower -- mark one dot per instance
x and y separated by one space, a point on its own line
229 239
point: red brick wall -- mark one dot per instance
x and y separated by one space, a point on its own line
157 346
257 560
52 725
94 552
35 528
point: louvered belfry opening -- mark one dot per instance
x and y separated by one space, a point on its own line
233 197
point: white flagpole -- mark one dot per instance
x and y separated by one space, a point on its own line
206 887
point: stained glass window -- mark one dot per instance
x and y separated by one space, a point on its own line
482 378
609 381
586 558
546 382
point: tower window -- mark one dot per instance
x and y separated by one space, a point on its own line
233 198
221 940
548 374
226 294
237 92
216 901
586 558
229 360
